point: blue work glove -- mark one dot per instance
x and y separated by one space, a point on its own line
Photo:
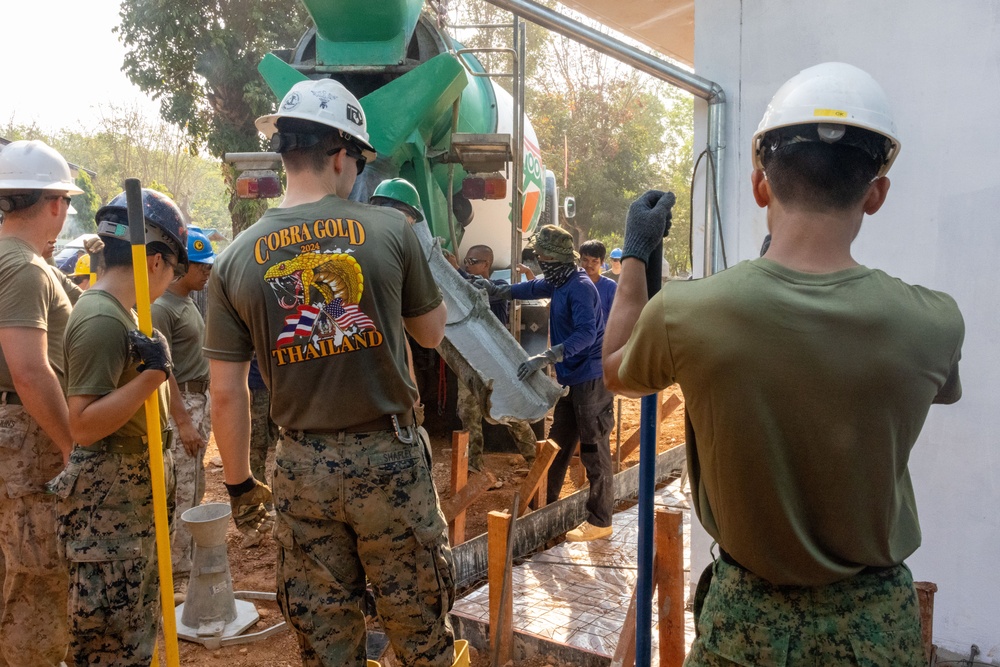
552 355
153 352
648 223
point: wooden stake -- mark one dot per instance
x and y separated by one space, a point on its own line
459 476
547 451
540 499
669 574
625 650
500 537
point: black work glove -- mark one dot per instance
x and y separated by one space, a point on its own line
550 356
495 292
648 223
248 501
153 352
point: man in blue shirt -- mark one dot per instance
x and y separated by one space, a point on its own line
591 258
585 414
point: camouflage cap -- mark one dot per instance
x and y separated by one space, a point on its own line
554 242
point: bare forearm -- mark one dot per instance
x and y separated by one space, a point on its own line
231 425
92 419
43 399
629 301
177 410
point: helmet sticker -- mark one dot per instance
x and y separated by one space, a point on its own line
199 245
291 102
325 97
355 116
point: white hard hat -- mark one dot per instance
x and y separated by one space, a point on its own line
34 165
322 101
834 95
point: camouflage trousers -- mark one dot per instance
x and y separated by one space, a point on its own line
869 620
470 411
106 527
33 630
351 506
189 481
263 432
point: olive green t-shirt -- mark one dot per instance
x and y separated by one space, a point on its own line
98 359
806 393
319 291
31 297
180 322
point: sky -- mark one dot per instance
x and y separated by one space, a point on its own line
59 60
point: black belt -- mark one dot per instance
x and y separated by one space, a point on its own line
9 398
194 386
128 444
871 569
383 423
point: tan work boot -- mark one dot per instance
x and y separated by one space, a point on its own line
180 590
586 532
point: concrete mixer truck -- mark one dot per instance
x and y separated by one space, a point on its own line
436 118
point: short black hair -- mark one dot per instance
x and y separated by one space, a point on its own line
118 252
819 176
314 157
594 248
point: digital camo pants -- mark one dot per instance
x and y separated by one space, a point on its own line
34 580
869 620
470 411
189 481
106 528
357 506
585 415
263 432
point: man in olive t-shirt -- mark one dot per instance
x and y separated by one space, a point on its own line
321 288
35 182
807 378
176 316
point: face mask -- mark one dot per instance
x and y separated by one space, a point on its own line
557 273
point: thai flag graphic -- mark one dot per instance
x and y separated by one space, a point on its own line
299 324
307 319
348 315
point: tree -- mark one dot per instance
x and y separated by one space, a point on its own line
200 60
610 119
86 204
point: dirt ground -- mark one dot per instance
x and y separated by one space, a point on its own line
253 569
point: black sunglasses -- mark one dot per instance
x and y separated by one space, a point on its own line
352 152
68 200
472 261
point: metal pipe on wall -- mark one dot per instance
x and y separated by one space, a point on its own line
659 68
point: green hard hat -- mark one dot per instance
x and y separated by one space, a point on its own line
398 190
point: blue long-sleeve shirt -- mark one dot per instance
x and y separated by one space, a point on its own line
576 321
606 288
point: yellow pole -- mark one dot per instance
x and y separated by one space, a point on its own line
137 235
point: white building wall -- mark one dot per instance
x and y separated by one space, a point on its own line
940 227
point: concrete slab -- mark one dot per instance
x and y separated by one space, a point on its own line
576 595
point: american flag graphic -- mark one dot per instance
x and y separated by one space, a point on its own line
348 315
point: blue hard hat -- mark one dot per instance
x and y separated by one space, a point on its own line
616 253
199 247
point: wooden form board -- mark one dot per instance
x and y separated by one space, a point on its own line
547 450
632 443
